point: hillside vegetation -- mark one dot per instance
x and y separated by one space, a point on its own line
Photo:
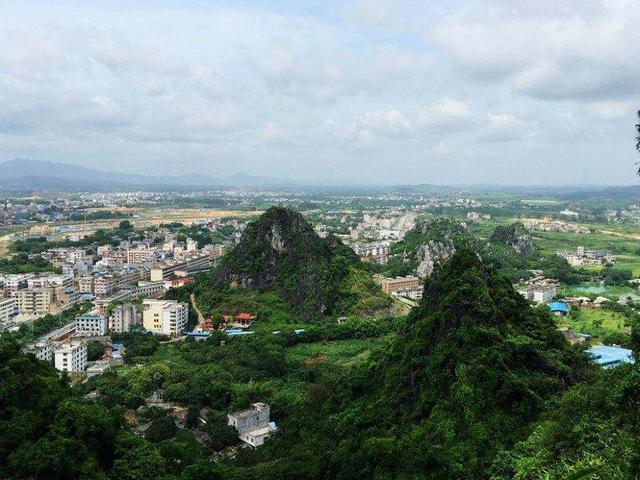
317 277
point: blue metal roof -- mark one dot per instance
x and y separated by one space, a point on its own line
607 356
559 307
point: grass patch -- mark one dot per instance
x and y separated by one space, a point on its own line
341 352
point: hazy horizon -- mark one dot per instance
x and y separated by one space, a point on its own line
360 92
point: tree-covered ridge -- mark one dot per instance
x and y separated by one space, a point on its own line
464 378
282 252
593 430
47 432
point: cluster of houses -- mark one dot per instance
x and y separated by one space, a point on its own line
66 347
546 225
584 258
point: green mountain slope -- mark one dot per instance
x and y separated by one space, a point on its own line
470 370
281 252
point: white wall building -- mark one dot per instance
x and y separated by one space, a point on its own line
253 424
71 357
91 325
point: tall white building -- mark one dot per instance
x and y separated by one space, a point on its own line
166 317
71 357
91 325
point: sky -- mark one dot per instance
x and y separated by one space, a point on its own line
515 92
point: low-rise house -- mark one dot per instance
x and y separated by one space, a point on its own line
559 308
253 424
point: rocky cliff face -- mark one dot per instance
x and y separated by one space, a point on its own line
434 242
281 251
515 236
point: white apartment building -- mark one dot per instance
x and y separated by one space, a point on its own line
89 325
166 317
192 245
42 350
71 357
8 308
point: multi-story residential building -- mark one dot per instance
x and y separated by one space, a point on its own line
52 280
123 317
391 285
104 250
103 285
90 325
104 302
192 245
71 357
42 350
85 284
8 308
139 255
166 317
193 264
149 289
14 282
218 250
34 301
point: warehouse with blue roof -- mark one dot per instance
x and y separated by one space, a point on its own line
607 356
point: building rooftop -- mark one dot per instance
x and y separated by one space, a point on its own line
559 307
608 356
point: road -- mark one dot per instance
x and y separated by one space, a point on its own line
198 312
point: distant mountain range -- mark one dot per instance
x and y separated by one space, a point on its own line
39 175
27 174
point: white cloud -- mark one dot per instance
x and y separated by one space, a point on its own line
503 127
445 114
240 87
387 124
582 49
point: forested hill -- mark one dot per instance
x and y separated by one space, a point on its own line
282 252
468 373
